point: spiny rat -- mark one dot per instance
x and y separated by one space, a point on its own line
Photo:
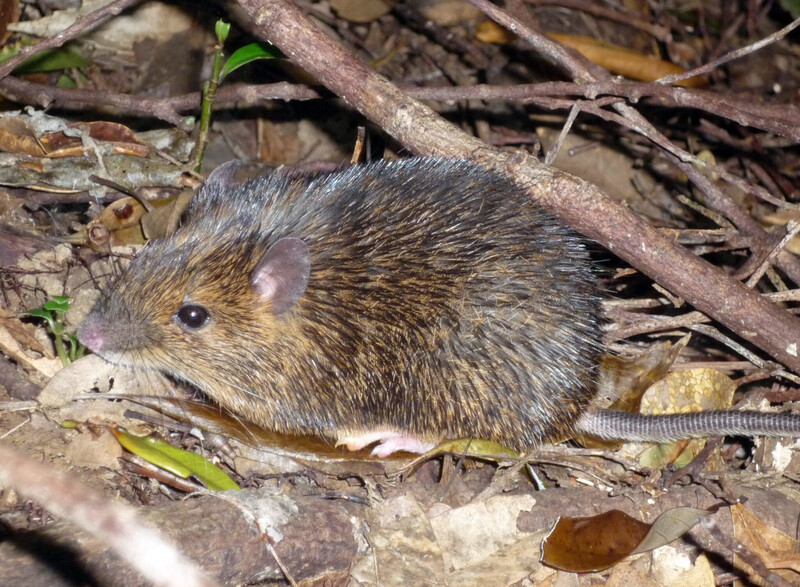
395 302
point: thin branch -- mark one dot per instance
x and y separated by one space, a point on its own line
111 523
741 52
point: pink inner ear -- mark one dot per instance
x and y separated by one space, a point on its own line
281 275
266 285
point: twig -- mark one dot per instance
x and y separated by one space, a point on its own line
792 228
553 153
752 560
783 119
736 54
111 523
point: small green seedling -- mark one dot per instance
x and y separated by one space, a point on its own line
67 345
219 72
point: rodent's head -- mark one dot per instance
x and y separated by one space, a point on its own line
188 303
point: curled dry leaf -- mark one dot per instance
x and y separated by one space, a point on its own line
776 549
118 224
623 381
18 136
582 545
127 222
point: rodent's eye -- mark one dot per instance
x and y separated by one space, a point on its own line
192 317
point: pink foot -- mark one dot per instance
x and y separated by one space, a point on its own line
389 442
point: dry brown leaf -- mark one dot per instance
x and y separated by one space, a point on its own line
581 545
685 391
776 549
23 333
123 139
11 347
482 545
405 551
360 11
17 136
623 61
448 12
163 219
690 390
614 58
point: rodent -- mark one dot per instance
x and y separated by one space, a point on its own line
395 302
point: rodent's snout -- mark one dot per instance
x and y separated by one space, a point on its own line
90 333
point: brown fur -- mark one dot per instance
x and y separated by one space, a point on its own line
442 302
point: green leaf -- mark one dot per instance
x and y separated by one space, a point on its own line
43 314
222 28
475 448
54 60
175 460
791 6
57 304
76 349
248 54
64 81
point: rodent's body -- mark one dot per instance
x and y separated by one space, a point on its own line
402 303
441 303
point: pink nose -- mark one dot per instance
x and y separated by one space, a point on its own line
91 335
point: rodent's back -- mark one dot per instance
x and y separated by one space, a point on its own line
441 302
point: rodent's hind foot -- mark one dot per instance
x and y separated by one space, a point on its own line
389 442
406 443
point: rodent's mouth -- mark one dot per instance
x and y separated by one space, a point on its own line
119 359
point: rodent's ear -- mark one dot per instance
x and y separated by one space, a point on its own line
281 275
222 176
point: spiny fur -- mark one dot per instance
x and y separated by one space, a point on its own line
442 302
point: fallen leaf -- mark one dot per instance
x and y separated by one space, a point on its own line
360 11
625 62
680 392
23 333
448 12
582 545
623 381
163 219
177 461
19 137
776 549
404 546
614 58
